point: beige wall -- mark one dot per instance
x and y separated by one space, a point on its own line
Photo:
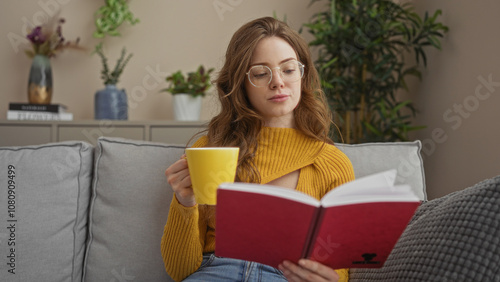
461 111
460 142
172 35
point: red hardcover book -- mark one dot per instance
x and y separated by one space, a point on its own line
356 225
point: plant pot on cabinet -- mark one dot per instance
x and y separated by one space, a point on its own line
186 107
111 103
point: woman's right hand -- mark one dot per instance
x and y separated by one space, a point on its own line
178 177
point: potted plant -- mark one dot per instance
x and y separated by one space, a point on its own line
110 16
363 61
187 91
111 102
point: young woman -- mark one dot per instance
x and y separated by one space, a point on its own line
273 109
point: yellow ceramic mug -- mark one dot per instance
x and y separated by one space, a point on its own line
208 168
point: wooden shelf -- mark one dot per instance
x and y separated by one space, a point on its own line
21 133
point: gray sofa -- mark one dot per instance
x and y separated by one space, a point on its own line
71 211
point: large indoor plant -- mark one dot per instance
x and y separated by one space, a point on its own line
188 91
111 102
367 49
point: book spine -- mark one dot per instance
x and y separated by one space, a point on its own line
31 115
36 108
313 231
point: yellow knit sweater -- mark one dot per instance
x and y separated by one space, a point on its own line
190 231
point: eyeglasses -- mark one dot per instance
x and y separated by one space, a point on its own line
261 76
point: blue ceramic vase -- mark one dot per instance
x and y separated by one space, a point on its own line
111 103
40 81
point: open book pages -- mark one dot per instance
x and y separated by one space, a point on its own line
377 187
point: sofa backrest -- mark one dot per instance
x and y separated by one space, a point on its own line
368 158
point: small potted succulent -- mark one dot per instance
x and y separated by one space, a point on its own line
188 91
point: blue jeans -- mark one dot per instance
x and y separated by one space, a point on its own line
215 268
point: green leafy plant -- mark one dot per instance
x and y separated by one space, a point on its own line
110 16
196 83
365 50
108 76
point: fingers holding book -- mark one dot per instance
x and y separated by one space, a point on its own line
307 270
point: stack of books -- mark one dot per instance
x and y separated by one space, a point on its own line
24 111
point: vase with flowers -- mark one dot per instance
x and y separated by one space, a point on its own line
46 42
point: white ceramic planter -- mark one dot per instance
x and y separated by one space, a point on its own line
186 107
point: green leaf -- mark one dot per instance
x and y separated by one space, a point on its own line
399 106
373 129
195 83
328 64
110 16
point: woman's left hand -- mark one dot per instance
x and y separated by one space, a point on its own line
308 270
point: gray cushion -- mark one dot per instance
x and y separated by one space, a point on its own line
369 158
452 238
45 193
129 208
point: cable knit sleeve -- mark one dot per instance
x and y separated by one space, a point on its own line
183 237
181 244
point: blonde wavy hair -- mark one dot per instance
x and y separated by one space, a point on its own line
238 124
